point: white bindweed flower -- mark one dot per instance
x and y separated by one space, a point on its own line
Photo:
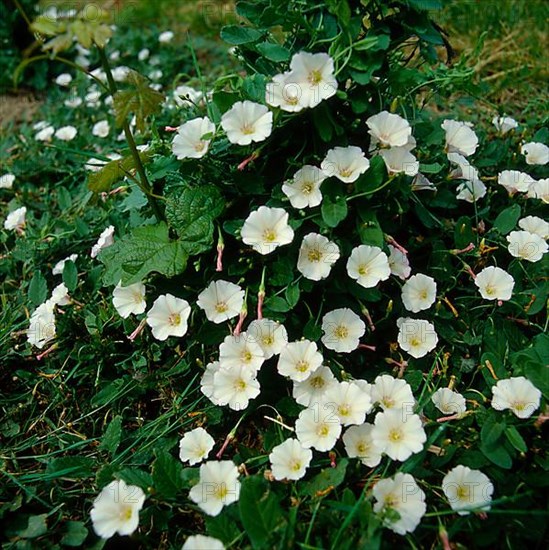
168 317
217 487
359 444
467 490
368 265
470 191
42 325
535 153
235 387
421 183
535 225
201 542
271 336
186 95
60 296
189 143
463 169
317 255
539 190
517 394
129 299
195 446
221 301
419 292
318 427
494 283
349 401
298 360
460 137
101 129
400 494
105 239
116 509
399 160
6 181
266 229
165 37
399 263
16 220
247 121
392 393
240 350
313 389
45 134
345 163
207 381
504 124
64 79
342 329
416 336
448 401
527 246
284 93
66 133
389 129
515 181
290 460
398 433
143 54
60 265
303 189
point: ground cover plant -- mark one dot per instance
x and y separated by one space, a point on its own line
272 297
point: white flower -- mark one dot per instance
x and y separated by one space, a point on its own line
421 183
312 389
314 73
349 401
317 255
298 360
6 181
284 93
419 292
467 490
539 190
290 460
66 133
120 74
105 239
60 295
101 129
235 387
168 316
60 265
201 542
399 263
42 325
116 509
416 336
303 189
129 299
318 427
448 401
165 37
156 74
504 124
188 142
16 220
186 95
389 129
495 284
399 494
359 444
207 381
45 134
221 301
398 434
217 487
517 394
342 329
535 153
470 191
195 446
526 245
40 125
143 54
535 225
460 138
345 163
241 351
463 169
399 160
92 98
515 181
247 121
368 265
392 393
266 229
64 79
271 336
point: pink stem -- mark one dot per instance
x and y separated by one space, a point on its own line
392 241
468 248
171 128
470 271
366 346
260 299
138 330
451 417
247 161
46 353
228 439
238 328
219 262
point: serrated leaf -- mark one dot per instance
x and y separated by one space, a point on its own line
328 479
334 212
237 35
166 475
70 275
114 171
35 528
111 438
507 219
145 250
273 52
75 534
38 289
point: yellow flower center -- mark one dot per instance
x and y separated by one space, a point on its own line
314 255
295 465
307 188
341 332
363 270
463 492
490 290
221 307
345 172
323 430
125 513
317 382
269 235
246 356
388 402
395 435
362 448
519 405
423 294
199 146
390 501
240 385
315 77
248 129
268 340
415 342
302 366
174 319
344 410
221 491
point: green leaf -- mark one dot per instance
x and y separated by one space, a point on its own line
114 171
38 289
35 528
369 230
166 473
277 304
334 212
237 35
71 467
491 432
373 177
515 439
498 455
145 250
463 233
260 511
507 219
273 52
327 479
111 438
292 295
136 477
75 534
70 275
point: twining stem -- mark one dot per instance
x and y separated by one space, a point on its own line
144 184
